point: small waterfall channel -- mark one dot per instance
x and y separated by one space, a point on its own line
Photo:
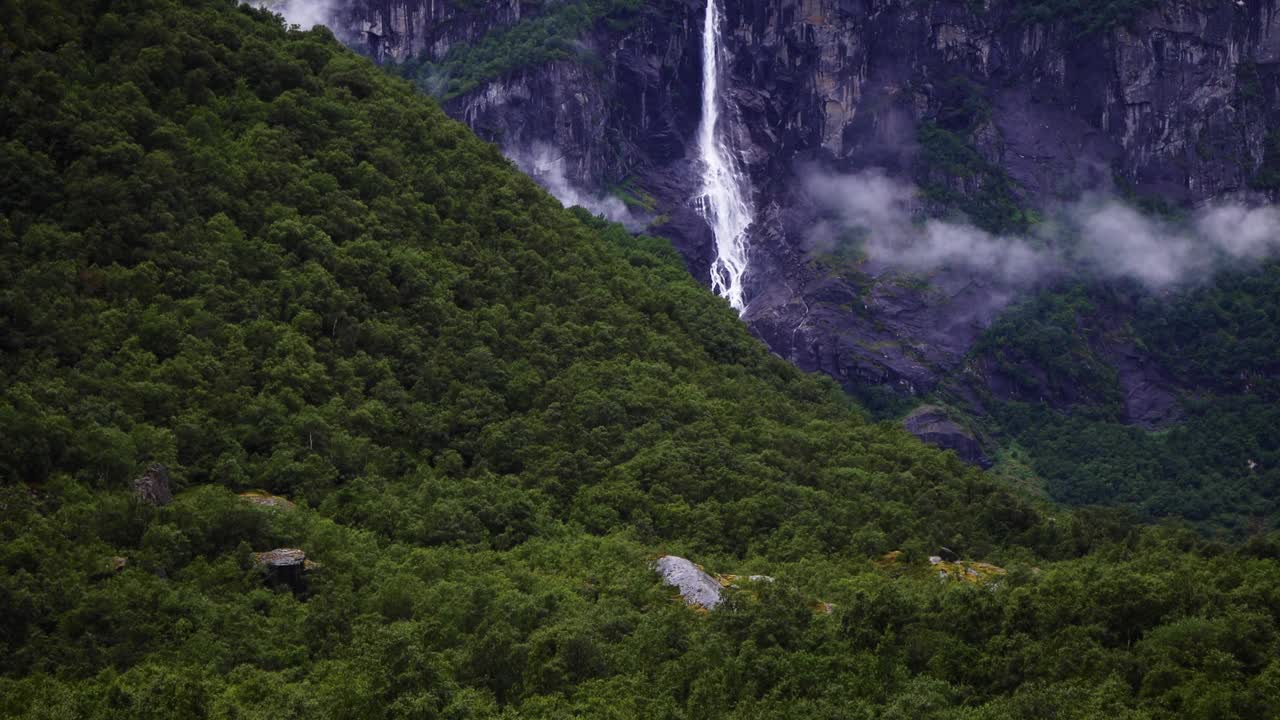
725 198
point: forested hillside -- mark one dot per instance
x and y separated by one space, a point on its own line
244 253
1218 465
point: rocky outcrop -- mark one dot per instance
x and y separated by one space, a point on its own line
1147 393
397 30
262 498
152 487
286 566
883 329
931 424
282 558
1113 369
969 571
696 586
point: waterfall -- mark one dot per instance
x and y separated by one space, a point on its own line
725 200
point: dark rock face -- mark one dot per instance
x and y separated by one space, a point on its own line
632 118
396 30
1148 397
895 333
1158 105
1177 102
153 486
1145 394
285 566
931 424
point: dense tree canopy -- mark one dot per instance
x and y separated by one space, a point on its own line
243 252
1218 466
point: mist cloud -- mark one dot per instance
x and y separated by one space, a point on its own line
1096 235
303 13
898 234
545 164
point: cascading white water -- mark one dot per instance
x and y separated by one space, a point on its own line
725 201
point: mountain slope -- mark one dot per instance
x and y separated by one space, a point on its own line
280 269
246 254
1000 113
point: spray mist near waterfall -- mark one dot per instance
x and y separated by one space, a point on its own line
546 165
303 13
725 199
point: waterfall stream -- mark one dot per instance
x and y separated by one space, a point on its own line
725 200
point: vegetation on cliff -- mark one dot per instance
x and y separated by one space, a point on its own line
1086 17
552 34
244 253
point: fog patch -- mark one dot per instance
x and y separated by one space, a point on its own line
306 14
1096 235
546 165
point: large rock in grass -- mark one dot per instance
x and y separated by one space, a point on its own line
698 587
282 558
285 566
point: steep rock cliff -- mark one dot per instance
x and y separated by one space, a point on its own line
397 30
1173 101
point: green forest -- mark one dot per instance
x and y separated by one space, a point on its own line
1218 467
242 252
